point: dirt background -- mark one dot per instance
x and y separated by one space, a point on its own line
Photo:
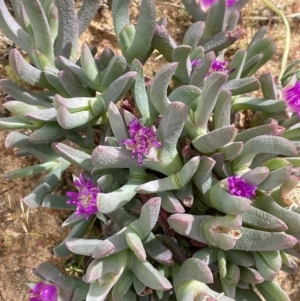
27 236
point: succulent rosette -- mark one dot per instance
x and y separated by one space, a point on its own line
189 204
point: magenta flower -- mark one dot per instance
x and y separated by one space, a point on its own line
195 63
206 4
292 96
85 198
143 139
43 291
216 66
231 2
238 186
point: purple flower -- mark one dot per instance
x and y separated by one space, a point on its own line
238 186
206 4
231 2
43 292
292 96
195 63
85 198
142 140
216 66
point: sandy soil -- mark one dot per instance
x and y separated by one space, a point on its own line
27 236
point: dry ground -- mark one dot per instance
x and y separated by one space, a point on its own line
27 236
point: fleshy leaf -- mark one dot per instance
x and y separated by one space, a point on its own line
108 202
221 40
26 72
193 269
222 111
263 144
112 72
122 286
264 46
46 186
75 156
272 129
147 274
163 42
62 63
231 150
207 255
268 86
194 34
215 139
237 64
147 219
135 244
181 55
73 87
201 71
275 178
170 203
263 241
13 30
242 85
261 220
111 245
210 91
215 19
144 32
23 94
139 91
191 290
290 218
222 232
86 13
173 182
230 281
57 202
241 258
156 250
226 202
170 129
118 87
158 90
250 275
48 133
15 122
29 171
188 94
194 10
203 176
89 66
40 28
67 32
272 291
82 246
78 230
259 104
188 225
268 264
15 139
126 37
116 123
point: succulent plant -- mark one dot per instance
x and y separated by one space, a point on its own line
190 205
